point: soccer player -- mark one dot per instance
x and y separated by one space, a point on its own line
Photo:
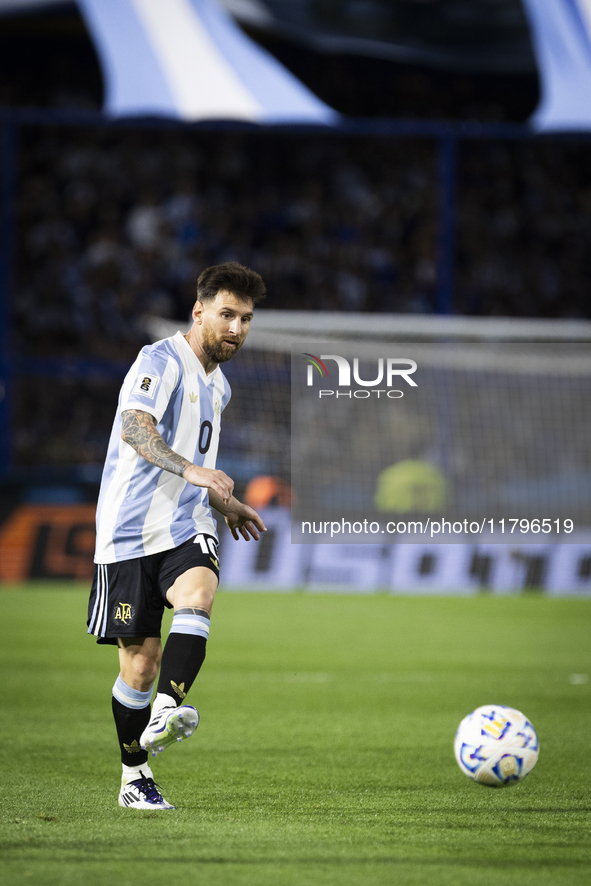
156 539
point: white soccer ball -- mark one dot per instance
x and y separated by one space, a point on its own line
496 745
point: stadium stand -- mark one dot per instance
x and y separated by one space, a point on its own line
116 224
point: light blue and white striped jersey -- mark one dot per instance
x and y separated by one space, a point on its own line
142 509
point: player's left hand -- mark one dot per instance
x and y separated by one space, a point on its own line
245 521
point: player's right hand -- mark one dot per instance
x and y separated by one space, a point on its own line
210 478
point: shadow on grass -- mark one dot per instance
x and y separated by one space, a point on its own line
335 861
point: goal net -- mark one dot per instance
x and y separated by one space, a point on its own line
467 428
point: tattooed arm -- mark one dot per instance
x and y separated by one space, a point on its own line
138 429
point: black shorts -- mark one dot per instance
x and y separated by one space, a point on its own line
128 598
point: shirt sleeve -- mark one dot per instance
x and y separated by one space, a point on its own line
227 393
150 382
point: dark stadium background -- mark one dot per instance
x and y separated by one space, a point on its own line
433 197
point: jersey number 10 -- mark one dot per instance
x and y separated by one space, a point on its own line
207 543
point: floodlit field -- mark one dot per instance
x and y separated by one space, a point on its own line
324 755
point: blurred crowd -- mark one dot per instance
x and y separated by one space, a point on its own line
63 422
116 225
524 229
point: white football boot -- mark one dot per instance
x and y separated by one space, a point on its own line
168 725
142 793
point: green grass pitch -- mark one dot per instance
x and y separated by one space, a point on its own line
324 754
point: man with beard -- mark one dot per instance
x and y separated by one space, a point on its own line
156 538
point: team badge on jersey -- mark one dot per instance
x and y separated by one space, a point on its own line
147 385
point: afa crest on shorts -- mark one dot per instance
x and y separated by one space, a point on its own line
123 613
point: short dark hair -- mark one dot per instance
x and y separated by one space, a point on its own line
232 277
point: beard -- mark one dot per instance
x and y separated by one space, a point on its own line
214 347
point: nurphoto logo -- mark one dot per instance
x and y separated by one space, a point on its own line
390 370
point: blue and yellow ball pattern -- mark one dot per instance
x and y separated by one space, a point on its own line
496 745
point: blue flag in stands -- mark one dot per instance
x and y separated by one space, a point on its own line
187 59
561 32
